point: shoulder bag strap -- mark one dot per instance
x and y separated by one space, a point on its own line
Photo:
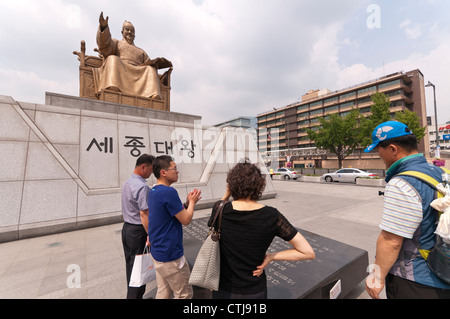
218 215
215 235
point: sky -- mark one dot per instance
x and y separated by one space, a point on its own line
233 58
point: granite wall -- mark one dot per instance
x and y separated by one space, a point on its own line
63 163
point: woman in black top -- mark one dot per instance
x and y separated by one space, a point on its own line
247 231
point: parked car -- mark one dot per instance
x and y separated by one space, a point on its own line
286 173
347 175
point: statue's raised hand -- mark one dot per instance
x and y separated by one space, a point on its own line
103 22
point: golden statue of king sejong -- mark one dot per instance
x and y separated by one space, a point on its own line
123 71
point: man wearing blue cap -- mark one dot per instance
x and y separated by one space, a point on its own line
408 221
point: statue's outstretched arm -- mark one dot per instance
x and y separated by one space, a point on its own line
103 22
106 44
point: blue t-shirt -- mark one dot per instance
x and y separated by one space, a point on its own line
165 232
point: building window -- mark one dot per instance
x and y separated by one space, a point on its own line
319 103
331 100
365 100
348 104
331 108
390 83
393 93
348 95
396 103
302 115
302 108
303 122
367 90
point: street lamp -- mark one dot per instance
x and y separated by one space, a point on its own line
435 119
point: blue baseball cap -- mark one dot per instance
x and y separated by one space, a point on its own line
386 131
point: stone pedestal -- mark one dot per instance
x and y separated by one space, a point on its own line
313 279
64 163
337 265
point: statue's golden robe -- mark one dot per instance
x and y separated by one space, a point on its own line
124 68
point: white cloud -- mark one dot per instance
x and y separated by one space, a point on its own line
405 23
412 32
231 57
29 86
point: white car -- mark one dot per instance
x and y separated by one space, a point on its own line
347 175
286 173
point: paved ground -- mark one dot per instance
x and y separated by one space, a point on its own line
44 267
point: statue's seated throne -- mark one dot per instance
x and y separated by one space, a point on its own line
87 86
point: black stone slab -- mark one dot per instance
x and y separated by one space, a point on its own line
301 279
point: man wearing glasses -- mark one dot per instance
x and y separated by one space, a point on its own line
167 215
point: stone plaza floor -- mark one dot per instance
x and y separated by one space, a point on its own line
44 267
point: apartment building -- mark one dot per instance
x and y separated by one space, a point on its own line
282 133
443 135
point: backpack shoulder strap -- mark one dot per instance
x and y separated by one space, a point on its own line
433 183
424 178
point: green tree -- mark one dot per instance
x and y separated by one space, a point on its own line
380 110
381 113
411 120
339 135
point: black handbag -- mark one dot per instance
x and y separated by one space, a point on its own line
439 260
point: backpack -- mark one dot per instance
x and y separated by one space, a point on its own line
438 258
